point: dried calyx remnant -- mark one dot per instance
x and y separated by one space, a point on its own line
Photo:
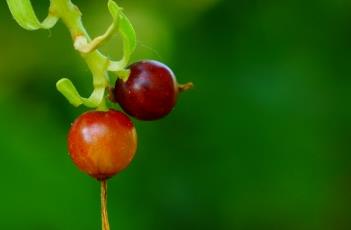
102 143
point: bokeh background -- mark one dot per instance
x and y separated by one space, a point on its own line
261 142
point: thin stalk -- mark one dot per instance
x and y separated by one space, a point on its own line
185 87
104 214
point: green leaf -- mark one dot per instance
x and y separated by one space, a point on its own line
114 9
66 87
24 14
127 32
128 36
125 28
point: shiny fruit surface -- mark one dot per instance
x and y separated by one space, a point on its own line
102 144
150 92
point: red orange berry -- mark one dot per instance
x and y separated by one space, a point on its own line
102 144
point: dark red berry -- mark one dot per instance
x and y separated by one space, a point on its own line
102 144
150 92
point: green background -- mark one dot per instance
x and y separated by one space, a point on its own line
261 142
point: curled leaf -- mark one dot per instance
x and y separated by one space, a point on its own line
66 87
129 37
127 32
114 9
23 13
81 43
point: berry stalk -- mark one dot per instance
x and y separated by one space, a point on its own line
104 213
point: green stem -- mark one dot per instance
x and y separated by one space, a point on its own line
72 18
98 64
102 106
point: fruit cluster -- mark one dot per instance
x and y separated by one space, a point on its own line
102 143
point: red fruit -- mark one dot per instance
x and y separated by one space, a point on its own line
150 92
102 144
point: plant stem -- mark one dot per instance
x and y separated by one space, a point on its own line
72 18
104 214
97 63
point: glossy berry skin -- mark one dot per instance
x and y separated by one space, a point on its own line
150 92
102 144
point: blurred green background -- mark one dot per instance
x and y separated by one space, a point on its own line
261 142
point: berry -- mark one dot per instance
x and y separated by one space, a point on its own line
150 92
102 144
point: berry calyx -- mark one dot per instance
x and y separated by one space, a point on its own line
101 143
150 92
